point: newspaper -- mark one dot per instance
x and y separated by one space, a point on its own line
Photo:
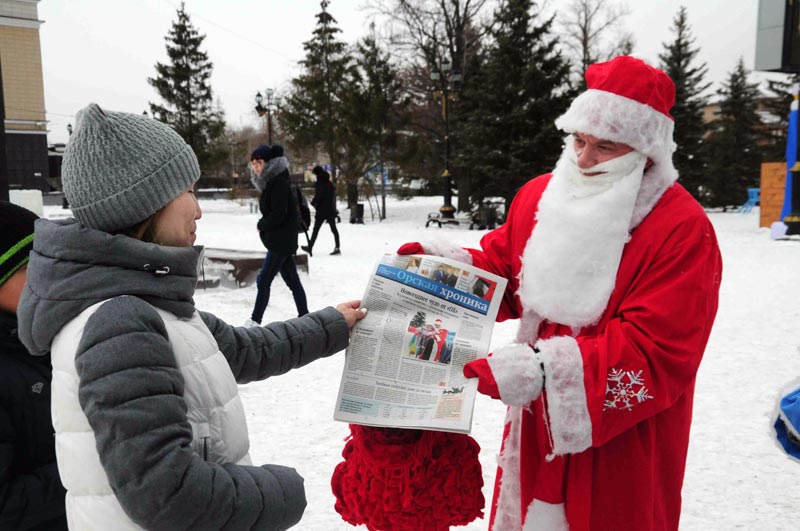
428 317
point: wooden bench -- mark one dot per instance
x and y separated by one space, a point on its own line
438 219
237 268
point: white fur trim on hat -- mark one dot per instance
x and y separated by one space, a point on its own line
567 407
613 117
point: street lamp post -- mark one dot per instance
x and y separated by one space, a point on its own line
232 145
271 103
448 81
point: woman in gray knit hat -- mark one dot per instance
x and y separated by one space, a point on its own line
150 430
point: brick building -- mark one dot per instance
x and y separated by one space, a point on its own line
23 94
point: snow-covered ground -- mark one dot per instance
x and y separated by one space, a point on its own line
736 478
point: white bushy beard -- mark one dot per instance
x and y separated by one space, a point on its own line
570 262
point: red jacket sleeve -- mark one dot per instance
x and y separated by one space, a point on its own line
659 338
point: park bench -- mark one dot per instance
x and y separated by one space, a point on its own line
484 217
236 268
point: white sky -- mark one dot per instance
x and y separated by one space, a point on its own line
104 50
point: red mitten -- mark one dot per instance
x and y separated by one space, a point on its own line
411 248
486 383
513 374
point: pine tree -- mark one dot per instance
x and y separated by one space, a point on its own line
310 115
184 86
428 35
679 62
735 158
585 28
777 105
373 109
509 134
418 319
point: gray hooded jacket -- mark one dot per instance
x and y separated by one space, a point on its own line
158 480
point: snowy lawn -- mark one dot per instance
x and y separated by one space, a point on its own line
736 478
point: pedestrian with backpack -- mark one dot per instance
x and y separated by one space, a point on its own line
277 228
324 203
303 211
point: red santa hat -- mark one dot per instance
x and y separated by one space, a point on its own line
627 101
438 321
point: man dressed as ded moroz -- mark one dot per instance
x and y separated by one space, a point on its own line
614 271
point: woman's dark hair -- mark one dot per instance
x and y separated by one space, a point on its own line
144 230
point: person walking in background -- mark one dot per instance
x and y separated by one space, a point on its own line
150 429
31 494
277 228
324 203
614 273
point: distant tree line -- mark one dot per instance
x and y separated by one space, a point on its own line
500 72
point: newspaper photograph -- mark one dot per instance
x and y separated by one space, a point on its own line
428 317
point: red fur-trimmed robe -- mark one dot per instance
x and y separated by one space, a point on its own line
606 442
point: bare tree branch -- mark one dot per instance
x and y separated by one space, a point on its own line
586 30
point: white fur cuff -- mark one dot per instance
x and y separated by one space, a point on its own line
518 372
543 516
447 250
570 423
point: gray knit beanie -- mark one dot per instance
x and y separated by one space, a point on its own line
119 168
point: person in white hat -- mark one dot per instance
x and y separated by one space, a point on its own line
614 272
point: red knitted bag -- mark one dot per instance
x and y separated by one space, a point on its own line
408 480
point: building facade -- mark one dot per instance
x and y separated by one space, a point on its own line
23 95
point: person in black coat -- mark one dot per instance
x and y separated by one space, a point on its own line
324 203
277 228
31 494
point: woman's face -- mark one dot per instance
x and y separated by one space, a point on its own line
258 166
176 224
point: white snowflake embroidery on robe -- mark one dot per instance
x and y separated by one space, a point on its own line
625 389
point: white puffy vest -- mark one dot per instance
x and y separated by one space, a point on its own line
214 410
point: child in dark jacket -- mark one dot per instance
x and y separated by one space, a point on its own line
31 495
